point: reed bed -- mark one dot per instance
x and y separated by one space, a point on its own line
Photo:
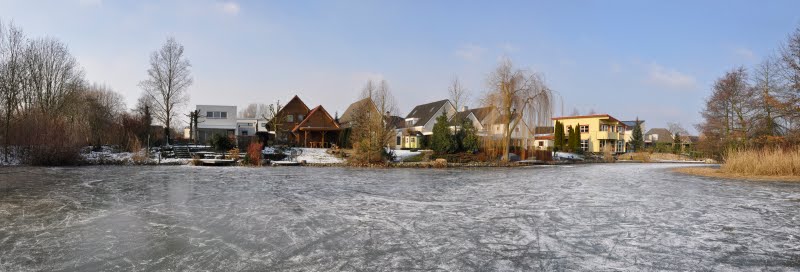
762 162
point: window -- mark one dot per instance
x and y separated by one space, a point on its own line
584 128
244 132
585 145
413 139
263 125
517 129
289 118
300 117
217 115
619 129
398 140
541 143
603 127
620 146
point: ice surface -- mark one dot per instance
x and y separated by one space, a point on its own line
584 217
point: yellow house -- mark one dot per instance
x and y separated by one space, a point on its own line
597 131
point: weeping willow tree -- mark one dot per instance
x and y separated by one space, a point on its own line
517 95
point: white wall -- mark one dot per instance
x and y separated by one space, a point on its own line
217 123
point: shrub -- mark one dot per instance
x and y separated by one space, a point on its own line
221 142
254 154
233 154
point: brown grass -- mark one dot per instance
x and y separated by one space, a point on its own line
637 156
717 173
763 162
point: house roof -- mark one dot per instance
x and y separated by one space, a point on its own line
347 116
690 139
544 130
396 121
426 112
459 117
588 116
632 123
318 110
481 113
664 136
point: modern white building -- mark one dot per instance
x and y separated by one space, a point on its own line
216 119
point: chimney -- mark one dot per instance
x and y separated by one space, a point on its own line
464 108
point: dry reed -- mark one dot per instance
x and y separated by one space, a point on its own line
763 162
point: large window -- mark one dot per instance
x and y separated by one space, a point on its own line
585 145
217 115
620 146
584 128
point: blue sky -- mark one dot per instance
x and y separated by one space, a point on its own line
653 59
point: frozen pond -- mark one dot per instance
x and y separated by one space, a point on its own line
589 217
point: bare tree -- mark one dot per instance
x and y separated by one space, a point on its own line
371 127
517 94
276 119
790 62
458 94
12 47
575 112
253 110
676 128
770 94
52 76
168 81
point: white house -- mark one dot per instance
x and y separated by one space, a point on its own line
216 119
419 123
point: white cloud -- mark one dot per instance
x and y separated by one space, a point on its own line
470 52
229 7
744 53
90 2
670 78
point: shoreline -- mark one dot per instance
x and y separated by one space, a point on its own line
712 172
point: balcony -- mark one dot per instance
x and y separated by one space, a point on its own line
609 135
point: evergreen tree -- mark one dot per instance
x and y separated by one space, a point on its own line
676 144
637 139
575 141
470 142
442 139
570 139
558 136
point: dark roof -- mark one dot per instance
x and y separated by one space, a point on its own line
663 135
544 130
318 109
347 116
425 112
631 123
459 118
690 139
481 113
397 121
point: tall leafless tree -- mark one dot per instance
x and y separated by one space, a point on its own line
458 94
168 81
371 126
790 62
12 49
253 110
517 94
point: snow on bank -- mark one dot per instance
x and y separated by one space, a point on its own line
401 155
567 156
317 155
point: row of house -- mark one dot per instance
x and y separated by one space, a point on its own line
315 127
307 127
